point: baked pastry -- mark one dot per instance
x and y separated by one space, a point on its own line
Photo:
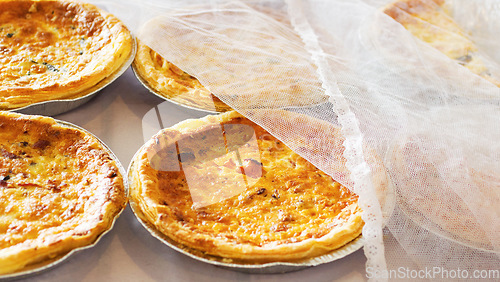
54 50
170 82
60 189
222 186
431 22
279 74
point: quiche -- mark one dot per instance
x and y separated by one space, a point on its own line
279 75
60 189
56 50
222 186
168 81
431 22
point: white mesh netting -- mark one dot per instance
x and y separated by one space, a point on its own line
408 113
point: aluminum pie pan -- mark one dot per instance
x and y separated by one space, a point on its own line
159 95
38 268
55 107
263 268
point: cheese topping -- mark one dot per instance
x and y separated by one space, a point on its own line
237 187
59 189
56 49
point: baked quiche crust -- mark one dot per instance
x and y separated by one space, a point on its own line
225 187
279 78
431 22
54 50
167 80
60 189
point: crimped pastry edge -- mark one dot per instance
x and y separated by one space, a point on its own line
310 250
61 253
87 85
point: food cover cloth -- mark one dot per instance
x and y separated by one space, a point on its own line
420 129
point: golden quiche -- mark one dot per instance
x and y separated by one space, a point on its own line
226 188
60 189
260 75
53 50
167 80
430 21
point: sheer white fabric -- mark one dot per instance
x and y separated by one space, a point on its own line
405 109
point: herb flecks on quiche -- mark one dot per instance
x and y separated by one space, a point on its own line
51 50
224 186
59 190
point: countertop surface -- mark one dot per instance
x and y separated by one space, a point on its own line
124 115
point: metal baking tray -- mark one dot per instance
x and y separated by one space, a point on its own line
55 107
46 265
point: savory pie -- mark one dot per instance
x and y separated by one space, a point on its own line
431 22
53 50
224 187
261 75
60 189
167 80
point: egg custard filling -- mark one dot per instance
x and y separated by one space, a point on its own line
55 50
223 186
60 189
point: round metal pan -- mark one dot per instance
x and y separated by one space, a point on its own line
264 268
37 268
